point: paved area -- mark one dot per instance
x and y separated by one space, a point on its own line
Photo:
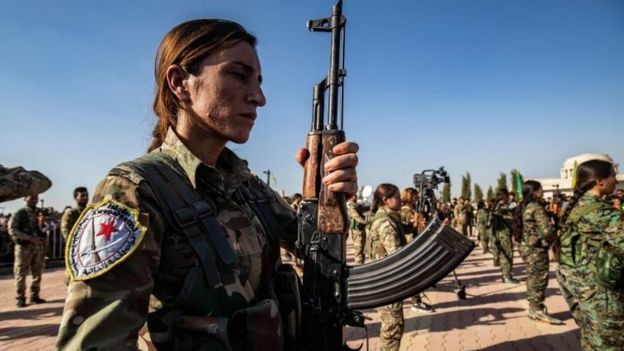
493 317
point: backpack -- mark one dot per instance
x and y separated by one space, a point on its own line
607 264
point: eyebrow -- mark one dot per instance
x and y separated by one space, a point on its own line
249 69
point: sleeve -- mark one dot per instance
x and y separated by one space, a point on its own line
545 229
389 236
65 226
14 230
614 227
354 214
107 311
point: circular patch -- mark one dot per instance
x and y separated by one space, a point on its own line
105 235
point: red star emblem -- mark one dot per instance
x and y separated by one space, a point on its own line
107 229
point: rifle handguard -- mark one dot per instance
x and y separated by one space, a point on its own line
414 268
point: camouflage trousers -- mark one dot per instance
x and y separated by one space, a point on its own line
358 237
484 238
28 259
598 311
392 325
503 252
536 259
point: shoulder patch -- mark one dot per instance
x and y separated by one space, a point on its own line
105 235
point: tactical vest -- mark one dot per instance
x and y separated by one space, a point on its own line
193 218
606 261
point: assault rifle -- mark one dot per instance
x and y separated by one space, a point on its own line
332 291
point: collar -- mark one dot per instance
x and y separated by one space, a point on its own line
226 176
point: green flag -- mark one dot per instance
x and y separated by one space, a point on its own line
518 181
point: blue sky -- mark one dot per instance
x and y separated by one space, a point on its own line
476 86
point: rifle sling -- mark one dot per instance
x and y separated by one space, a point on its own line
186 211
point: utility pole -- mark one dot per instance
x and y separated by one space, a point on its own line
268 173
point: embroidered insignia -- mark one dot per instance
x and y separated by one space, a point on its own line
105 235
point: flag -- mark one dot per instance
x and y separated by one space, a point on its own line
518 180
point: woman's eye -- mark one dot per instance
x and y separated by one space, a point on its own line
239 75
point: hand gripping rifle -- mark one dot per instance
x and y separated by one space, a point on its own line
332 291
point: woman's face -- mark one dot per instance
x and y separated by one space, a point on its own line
394 202
226 91
538 194
607 186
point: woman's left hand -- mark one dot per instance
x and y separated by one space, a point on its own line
341 174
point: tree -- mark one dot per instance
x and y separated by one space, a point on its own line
465 191
514 183
490 194
446 193
478 193
502 182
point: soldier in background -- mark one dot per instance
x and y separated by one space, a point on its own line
538 233
459 213
70 216
357 229
499 222
386 236
484 234
29 242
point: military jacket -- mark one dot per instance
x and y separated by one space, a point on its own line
501 217
110 311
23 226
537 229
386 232
604 223
68 220
356 220
482 217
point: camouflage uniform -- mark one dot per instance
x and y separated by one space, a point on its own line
459 215
143 298
386 237
68 220
357 232
409 231
484 234
599 311
537 235
17 182
500 224
29 255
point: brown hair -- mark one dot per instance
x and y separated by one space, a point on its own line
408 196
187 45
384 191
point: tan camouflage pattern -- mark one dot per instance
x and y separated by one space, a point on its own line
357 231
598 311
29 255
538 233
68 220
111 311
386 232
17 182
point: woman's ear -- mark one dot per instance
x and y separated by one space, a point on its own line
177 81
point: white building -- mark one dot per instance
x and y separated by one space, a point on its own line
564 183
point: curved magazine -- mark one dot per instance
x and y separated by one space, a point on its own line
435 253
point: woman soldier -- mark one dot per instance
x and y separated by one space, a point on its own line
590 225
386 235
499 222
187 229
538 234
484 235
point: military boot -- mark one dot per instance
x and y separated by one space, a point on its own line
543 316
21 302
